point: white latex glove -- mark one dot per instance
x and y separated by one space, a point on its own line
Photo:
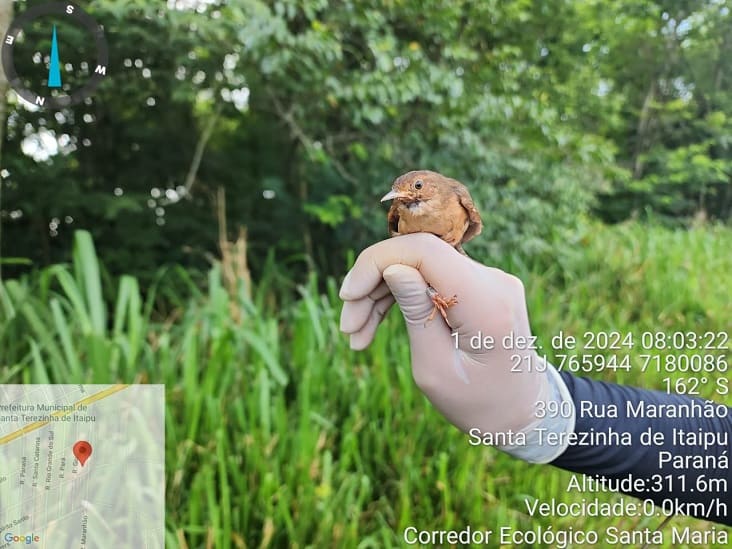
472 388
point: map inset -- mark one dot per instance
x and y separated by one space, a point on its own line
49 499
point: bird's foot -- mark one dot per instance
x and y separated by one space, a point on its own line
441 304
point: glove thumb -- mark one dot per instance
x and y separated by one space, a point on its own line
430 342
410 291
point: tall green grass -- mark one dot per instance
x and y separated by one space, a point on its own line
279 435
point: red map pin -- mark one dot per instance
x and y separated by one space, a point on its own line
82 451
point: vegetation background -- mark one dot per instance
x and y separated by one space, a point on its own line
595 136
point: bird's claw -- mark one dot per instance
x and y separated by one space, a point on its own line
441 304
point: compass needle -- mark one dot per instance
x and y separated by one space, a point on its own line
54 71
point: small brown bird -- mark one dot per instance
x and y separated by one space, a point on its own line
429 202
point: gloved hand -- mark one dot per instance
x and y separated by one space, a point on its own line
492 389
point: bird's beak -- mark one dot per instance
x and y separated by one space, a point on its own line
391 195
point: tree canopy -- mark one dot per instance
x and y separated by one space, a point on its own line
303 112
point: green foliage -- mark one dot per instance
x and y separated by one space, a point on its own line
278 434
334 211
668 69
304 112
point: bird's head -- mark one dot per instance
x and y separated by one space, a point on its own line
415 186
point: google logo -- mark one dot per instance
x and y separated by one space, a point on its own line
27 539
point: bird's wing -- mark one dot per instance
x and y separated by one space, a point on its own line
475 224
393 220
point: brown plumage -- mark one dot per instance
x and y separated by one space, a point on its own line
429 202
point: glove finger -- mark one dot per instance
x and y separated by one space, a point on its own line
355 314
382 290
364 336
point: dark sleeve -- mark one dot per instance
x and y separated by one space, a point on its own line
686 418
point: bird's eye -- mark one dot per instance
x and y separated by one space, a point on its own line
418 184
